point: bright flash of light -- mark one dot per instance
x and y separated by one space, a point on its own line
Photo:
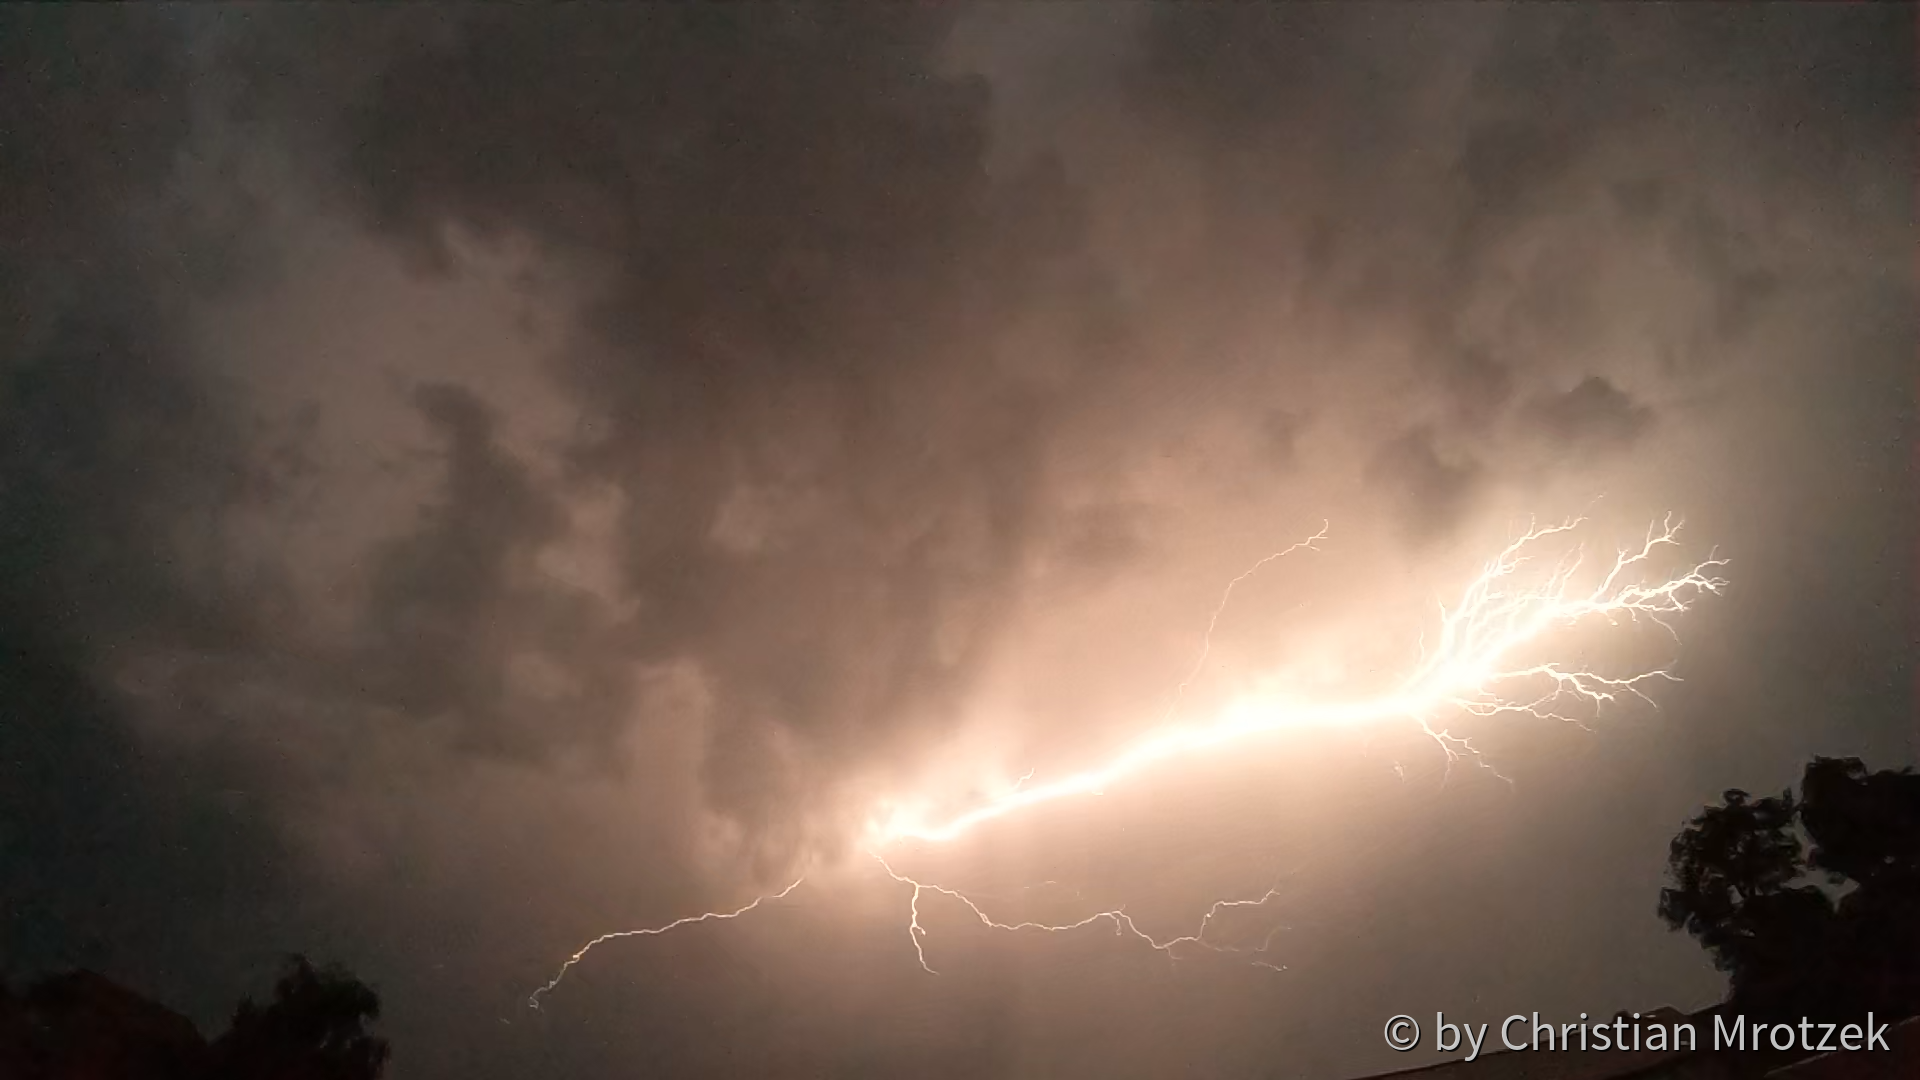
1471 668
1468 669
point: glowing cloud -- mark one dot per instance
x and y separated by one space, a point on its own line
1478 665
1473 660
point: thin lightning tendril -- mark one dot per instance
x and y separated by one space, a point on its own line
1122 922
1213 621
1463 671
533 1000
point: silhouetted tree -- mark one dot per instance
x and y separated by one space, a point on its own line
1746 884
315 1028
1865 830
1865 827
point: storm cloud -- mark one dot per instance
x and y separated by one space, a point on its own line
472 477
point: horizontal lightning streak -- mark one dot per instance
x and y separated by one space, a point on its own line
1122 922
1464 672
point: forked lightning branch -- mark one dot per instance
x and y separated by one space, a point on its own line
1483 660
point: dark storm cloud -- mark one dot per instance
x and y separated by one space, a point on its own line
94 107
112 450
119 460
113 466
1435 490
1318 110
1725 256
793 368
447 610
1395 211
792 371
1477 386
1595 415
824 359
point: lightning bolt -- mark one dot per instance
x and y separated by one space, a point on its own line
1469 670
1122 922
1465 672
1213 621
533 1000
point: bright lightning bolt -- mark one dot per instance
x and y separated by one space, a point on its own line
1478 637
1473 660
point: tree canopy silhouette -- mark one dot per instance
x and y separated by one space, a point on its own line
1810 903
315 1028
82 1025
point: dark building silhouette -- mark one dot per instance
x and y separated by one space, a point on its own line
83 1026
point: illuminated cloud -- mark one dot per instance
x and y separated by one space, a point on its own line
471 477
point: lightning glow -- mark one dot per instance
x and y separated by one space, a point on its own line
1473 660
1477 666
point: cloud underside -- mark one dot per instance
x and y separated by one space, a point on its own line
851 381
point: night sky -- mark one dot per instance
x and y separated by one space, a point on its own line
472 479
